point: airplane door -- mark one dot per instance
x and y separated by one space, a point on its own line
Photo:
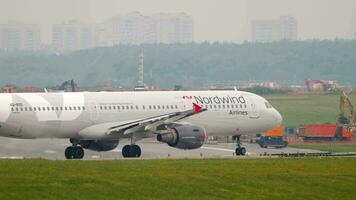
93 108
253 111
183 106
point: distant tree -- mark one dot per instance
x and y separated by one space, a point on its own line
189 65
263 90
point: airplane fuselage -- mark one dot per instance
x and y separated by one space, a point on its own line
64 115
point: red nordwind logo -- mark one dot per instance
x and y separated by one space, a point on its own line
201 137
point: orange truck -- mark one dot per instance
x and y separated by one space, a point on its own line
277 132
273 138
324 132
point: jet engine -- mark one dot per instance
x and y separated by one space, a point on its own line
184 137
98 145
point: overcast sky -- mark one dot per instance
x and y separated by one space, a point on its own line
214 20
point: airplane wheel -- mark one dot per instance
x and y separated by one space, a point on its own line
68 152
131 151
237 151
240 151
74 152
243 151
126 151
136 151
78 152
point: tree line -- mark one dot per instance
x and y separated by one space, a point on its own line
190 65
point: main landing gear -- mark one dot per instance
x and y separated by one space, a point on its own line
131 151
74 152
239 151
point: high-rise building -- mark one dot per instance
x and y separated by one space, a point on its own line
135 28
284 28
129 29
16 36
353 25
171 28
73 36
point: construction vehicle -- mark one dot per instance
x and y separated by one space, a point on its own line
324 132
346 105
272 138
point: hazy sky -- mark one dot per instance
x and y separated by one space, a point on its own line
222 20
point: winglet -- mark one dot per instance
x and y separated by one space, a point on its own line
197 108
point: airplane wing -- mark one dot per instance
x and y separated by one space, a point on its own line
151 124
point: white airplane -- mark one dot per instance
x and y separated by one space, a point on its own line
98 120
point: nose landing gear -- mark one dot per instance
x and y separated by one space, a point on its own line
239 151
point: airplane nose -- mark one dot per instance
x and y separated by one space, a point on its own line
279 118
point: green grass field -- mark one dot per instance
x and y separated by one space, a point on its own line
330 147
312 109
294 178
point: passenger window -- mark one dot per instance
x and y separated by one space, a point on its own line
215 106
25 108
131 107
158 107
34 108
150 107
123 107
114 107
245 106
172 107
30 108
39 108
136 107
21 109
154 107
79 108
84 107
227 106
211 106
105 107
143 107
176 107
109 107
240 105
61 108
70 107
74 108
65 107
223 106
127 108
52 108
167 106
12 109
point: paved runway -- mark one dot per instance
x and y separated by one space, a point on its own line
54 149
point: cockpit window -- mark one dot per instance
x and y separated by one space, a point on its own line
268 105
